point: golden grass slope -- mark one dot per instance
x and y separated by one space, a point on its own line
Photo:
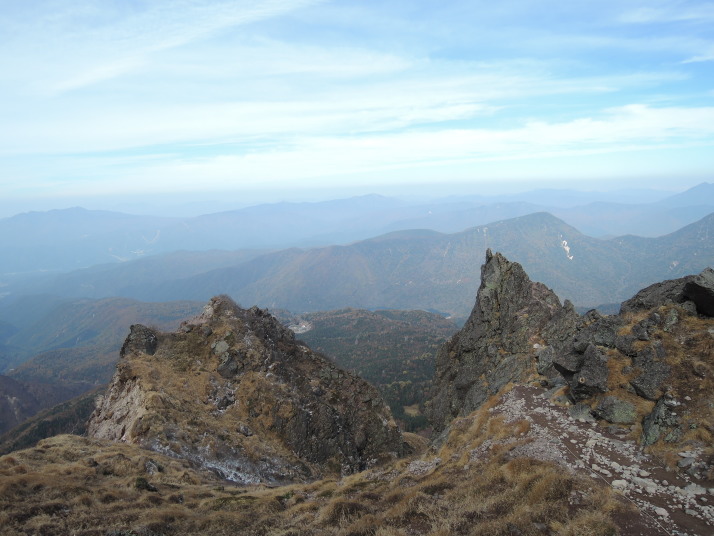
73 485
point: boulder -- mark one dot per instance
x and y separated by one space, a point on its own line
655 372
661 423
700 290
616 411
695 293
592 376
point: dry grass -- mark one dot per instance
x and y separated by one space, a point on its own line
689 349
71 485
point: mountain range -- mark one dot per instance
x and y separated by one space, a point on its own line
69 239
51 325
416 269
62 330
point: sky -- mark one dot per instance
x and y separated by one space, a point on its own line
258 100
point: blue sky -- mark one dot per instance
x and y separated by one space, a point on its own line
102 98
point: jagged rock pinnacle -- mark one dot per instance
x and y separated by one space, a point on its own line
511 319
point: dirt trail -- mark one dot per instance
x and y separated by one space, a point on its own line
669 502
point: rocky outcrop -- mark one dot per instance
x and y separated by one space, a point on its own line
234 392
695 293
630 371
513 318
700 290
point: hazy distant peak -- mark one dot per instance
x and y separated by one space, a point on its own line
701 194
535 219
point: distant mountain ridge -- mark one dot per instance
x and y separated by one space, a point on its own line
70 239
68 335
21 400
439 272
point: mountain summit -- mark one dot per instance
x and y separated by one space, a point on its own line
495 346
234 392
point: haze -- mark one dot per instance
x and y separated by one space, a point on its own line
155 106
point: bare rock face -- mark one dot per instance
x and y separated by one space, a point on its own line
700 290
694 292
234 392
512 320
646 372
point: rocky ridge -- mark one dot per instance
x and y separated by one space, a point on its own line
639 381
234 392
512 315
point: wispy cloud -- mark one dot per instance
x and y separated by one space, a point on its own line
80 47
110 94
311 158
670 12
481 95
707 56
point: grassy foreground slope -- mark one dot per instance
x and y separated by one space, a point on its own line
73 485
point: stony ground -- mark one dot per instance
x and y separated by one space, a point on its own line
669 502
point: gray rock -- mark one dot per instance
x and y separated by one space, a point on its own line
245 430
220 347
666 292
596 329
671 320
592 377
700 290
140 340
695 489
640 331
495 346
581 412
650 383
545 360
660 422
625 343
655 371
695 293
616 411
230 364
685 462
569 363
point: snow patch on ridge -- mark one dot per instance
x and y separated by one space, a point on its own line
566 248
